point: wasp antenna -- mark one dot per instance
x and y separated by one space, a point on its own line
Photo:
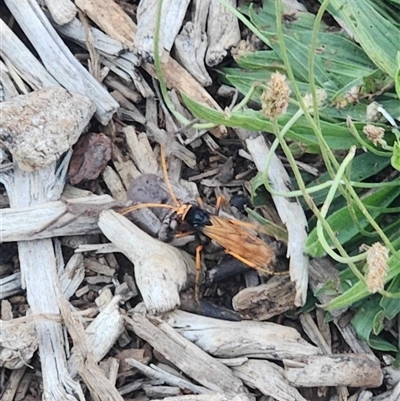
144 205
166 178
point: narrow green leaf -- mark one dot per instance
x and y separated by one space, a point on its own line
341 220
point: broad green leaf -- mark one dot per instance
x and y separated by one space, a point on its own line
395 159
391 306
397 75
376 35
341 220
368 318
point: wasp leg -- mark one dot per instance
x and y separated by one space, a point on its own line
248 263
220 202
200 202
198 273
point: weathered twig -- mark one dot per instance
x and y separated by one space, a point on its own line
233 339
37 128
58 59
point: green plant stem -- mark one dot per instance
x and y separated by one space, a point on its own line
324 211
325 150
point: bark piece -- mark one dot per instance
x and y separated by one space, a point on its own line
115 21
210 397
266 300
91 154
222 31
235 339
161 270
203 368
352 370
10 285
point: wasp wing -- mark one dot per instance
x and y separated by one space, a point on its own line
240 243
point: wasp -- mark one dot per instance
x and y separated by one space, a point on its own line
236 237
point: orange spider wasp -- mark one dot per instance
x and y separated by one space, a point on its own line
234 236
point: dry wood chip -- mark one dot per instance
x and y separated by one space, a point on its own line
266 300
111 18
203 368
62 11
234 339
353 370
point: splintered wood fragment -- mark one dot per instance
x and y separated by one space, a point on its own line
141 151
10 285
269 379
29 68
94 378
266 300
101 335
194 362
158 374
58 59
72 276
352 370
9 90
222 30
191 43
210 397
161 270
12 386
62 11
350 336
172 15
235 339
115 21
290 212
103 43
54 219
114 184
